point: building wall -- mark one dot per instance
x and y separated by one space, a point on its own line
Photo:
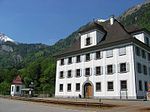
141 76
14 88
104 78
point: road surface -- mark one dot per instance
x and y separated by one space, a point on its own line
7 105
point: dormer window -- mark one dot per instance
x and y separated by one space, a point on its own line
88 41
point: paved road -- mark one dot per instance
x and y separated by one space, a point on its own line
7 105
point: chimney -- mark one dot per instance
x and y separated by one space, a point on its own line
112 18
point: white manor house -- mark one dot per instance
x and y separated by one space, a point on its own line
107 61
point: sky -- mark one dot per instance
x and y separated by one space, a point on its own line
47 21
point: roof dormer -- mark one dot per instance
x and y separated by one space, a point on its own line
91 35
143 36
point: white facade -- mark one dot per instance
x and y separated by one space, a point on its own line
121 83
16 89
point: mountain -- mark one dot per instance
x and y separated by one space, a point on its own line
18 55
4 38
139 15
34 62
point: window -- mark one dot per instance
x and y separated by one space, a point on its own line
61 74
140 85
146 86
98 86
17 89
109 69
78 73
145 69
87 57
68 87
122 51
61 87
109 53
143 54
148 56
110 86
62 62
139 67
87 72
77 86
123 85
70 60
98 70
138 52
88 41
98 55
123 67
78 59
147 40
69 74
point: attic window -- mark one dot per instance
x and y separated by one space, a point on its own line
88 41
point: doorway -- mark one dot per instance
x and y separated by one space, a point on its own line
88 90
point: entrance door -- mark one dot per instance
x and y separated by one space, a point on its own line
88 90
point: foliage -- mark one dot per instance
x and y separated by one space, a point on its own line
140 17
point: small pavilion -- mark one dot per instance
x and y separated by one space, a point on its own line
16 86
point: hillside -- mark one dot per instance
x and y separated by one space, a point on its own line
34 62
139 14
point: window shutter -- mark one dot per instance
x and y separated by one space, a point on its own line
101 54
118 66
80 72
85 41
142 71
106 69
127 67
73 73
91 40
65 61
114 69
84 72
101 68
73 59
84 58
95 56
94 70
91 56
80 58
60 62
